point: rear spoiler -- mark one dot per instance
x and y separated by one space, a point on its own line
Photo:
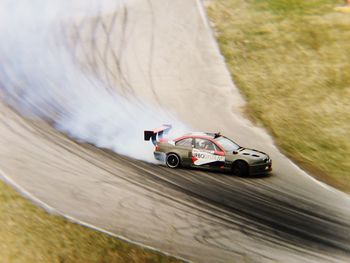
157 132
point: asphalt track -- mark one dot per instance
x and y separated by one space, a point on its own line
163 51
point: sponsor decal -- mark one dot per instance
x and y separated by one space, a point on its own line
200 157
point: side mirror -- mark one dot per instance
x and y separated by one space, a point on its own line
234 152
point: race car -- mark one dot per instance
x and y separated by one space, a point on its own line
210 151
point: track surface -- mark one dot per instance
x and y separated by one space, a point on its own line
162 51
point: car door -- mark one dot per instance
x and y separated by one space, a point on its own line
206 154
184 148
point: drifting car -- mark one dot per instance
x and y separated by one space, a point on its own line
210 151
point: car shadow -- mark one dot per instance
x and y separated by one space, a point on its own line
225 173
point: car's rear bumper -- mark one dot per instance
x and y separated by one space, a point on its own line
260 168
160 156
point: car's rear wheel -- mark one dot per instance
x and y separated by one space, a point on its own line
173 160
240 168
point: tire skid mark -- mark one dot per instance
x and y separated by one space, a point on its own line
101 54
108 29
67 144
78 47
124 83
151 53
74 151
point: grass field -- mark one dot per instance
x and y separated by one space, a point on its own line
28 234
291 60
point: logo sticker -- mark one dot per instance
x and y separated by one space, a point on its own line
200 157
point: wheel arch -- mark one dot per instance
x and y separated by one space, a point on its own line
173 152
239 160
236 162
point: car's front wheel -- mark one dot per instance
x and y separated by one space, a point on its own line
240 168
173 160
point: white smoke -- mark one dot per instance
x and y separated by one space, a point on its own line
39 78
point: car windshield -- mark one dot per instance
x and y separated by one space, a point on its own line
228 145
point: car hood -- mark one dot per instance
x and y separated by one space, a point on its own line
254 154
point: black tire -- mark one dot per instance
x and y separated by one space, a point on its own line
173 160
240 168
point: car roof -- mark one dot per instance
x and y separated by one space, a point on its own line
209 135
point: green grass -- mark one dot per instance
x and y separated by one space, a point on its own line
28 234
291 59
295 7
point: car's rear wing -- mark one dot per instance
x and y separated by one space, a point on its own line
157 132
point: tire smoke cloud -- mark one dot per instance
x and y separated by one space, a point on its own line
40 79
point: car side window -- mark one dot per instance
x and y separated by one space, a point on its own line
203 144
185 143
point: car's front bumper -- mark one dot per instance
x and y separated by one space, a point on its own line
261 168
